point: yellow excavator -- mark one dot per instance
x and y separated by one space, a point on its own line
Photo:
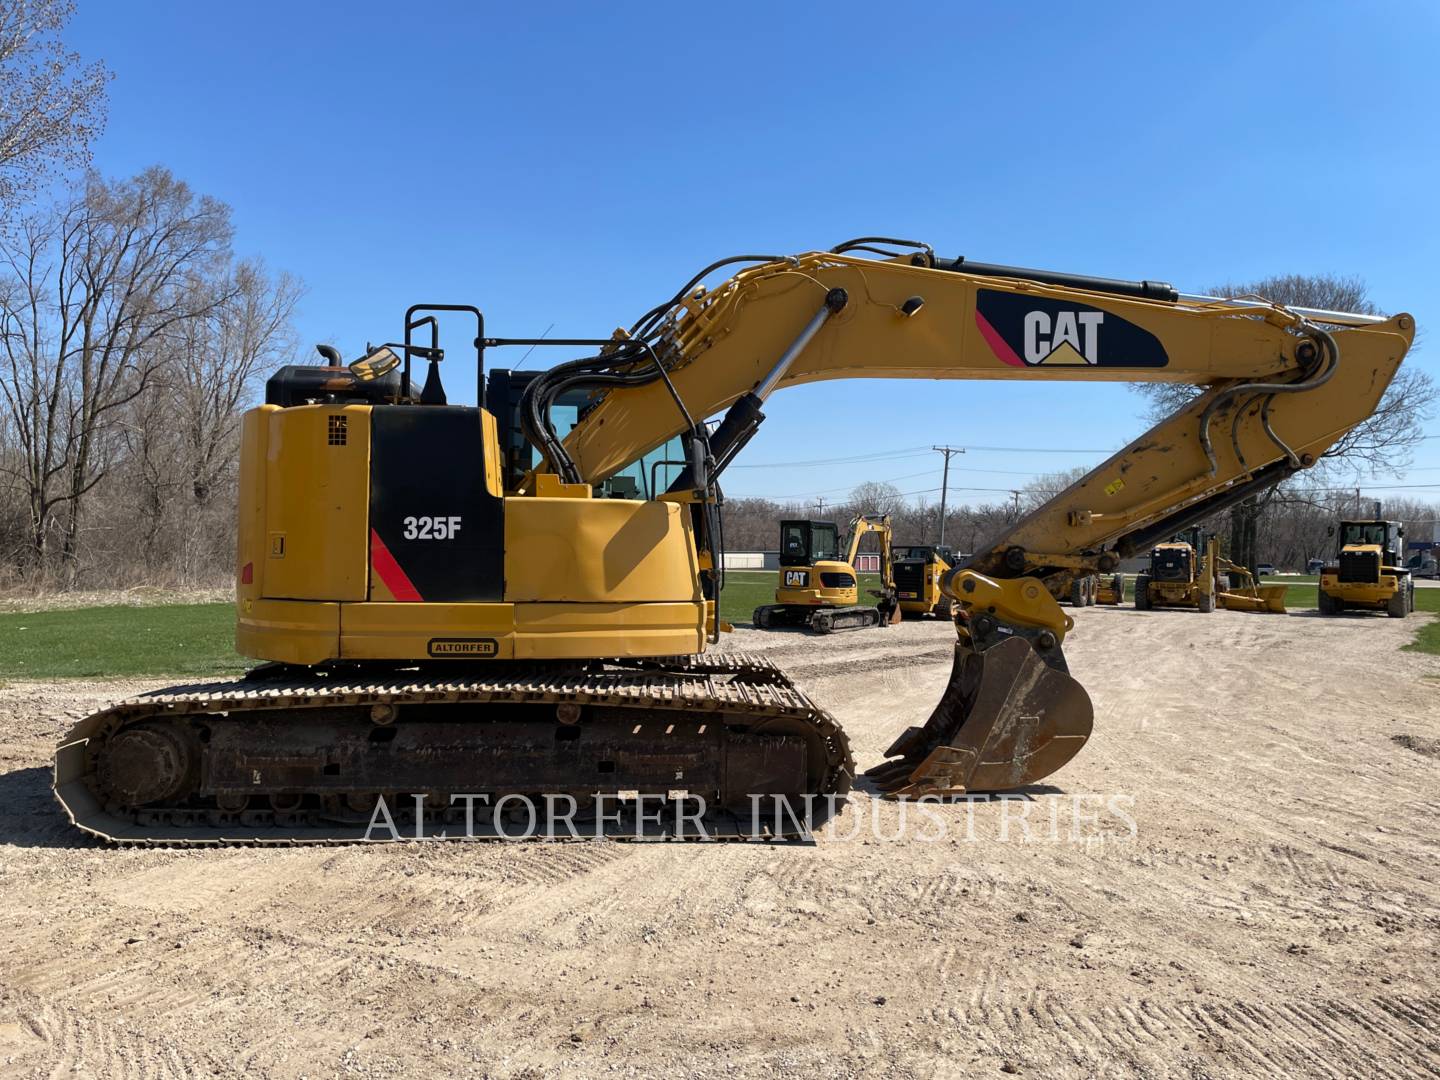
460 603
819 589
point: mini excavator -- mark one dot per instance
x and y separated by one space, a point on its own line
819 589
514 598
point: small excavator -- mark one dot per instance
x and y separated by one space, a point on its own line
510 600
819 589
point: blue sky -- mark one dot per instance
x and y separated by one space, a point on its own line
568 166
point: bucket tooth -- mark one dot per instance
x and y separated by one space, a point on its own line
1006 719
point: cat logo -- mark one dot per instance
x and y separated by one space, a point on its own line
796 579
1028 331
1070 337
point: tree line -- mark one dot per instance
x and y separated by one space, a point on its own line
1291 529
132 336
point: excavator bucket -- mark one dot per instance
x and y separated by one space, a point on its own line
1006 719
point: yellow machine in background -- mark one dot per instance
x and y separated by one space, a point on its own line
1110 590
1187 573
818 588
919 571
1179 576
509 600
1369 572
1082 590
1245 593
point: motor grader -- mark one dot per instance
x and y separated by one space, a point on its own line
1181 575
819 589
1187 572
512 599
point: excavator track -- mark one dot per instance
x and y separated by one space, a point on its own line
295 756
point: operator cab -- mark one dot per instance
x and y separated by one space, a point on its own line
1171 562
804 543
1366 546
1386 535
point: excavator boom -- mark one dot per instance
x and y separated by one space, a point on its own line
1280 387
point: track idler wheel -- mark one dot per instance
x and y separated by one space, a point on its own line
147 763
1006 719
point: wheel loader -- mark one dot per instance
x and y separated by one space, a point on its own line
467 611
819 589
1369 572
919 570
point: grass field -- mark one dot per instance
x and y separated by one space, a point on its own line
183 639
197 639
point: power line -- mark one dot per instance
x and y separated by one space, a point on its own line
532 348
917 451
879 455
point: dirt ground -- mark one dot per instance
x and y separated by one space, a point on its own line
1274 912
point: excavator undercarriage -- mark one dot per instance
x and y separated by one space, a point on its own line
689 746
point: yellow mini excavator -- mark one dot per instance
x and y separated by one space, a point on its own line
819 589
509 601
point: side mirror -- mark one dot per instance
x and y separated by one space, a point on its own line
375 364
1330 530
1400 531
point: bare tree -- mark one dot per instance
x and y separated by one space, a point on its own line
247 333
91 293
1384 439
51 106
873 497
1043 488
181 435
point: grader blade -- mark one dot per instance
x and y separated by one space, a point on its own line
1265 598
1006 719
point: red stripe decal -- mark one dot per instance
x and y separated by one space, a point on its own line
996 342
394 578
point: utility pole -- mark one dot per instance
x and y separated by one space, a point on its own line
1016 510
819 506
945 483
